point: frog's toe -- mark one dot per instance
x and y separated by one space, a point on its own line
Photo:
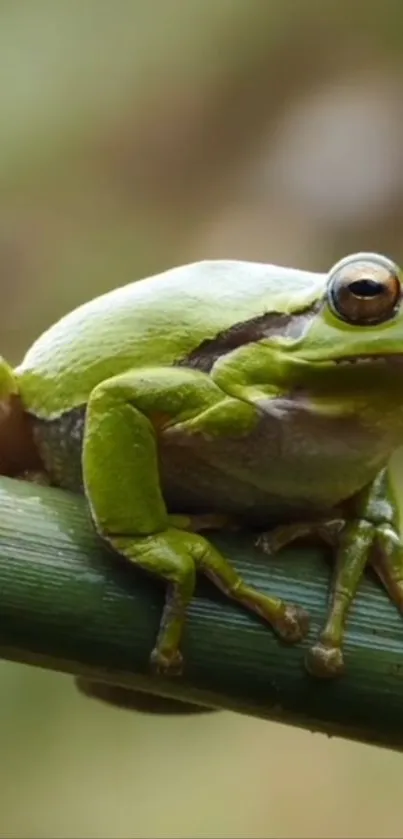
324 660
273 540
293 625
166 664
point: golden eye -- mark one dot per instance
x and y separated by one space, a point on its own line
364 289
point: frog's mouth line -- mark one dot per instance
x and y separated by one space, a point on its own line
393 358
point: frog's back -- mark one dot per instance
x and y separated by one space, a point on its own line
156 321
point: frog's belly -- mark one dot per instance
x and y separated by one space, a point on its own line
293 464
300 465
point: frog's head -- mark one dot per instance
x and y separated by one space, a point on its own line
357 329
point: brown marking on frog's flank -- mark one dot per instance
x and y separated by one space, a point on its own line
18 452
59 442
256 329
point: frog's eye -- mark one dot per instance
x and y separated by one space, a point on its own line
364 289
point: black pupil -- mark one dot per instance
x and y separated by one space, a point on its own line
366 288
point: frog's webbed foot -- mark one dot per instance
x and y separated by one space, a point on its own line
37 476
371 535
132 700
328 530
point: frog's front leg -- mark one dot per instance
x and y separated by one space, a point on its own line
124 418
370 535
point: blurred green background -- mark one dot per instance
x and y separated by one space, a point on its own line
136 135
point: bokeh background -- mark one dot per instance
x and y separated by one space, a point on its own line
136 135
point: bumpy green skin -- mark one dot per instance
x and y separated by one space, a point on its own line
219 390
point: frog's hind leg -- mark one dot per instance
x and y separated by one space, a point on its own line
133 700
37 476
327 530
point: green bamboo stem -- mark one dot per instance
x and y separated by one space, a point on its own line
68 604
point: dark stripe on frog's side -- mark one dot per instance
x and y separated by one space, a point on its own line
269 325
59 441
